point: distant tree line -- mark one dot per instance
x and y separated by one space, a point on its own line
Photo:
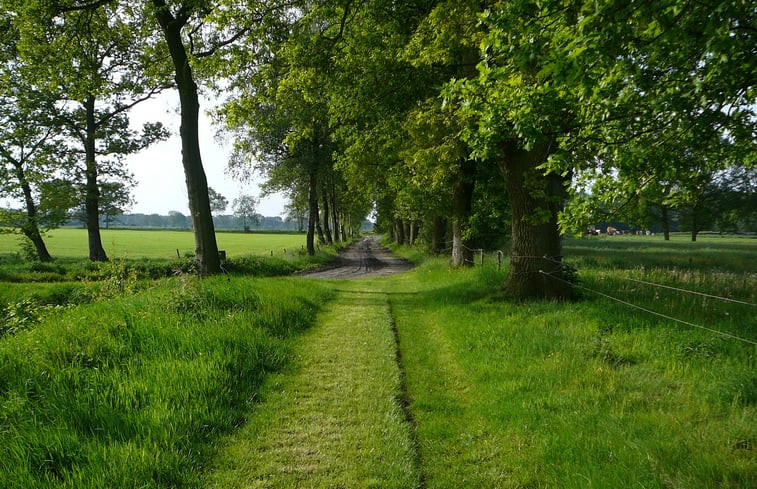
177 220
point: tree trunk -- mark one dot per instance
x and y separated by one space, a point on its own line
439 232
92 195
665 222
30 228
312 210
206 248
318 227
400 226
462 199
325 216
535 201
334 213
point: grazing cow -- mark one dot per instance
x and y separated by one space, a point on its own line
611 231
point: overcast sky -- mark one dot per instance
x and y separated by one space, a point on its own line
160 175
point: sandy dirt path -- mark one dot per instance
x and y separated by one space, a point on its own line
365 258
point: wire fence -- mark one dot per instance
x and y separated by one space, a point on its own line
560 267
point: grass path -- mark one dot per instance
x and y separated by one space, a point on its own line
335 418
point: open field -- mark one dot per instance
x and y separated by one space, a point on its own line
127 243
709 252
240 382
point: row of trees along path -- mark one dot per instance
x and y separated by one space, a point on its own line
441 115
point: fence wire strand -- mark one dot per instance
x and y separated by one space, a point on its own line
671 318
725 299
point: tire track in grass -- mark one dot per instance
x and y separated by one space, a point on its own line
405 401
334 419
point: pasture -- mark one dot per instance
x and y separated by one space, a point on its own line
155 244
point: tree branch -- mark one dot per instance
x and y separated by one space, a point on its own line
79 7
214 49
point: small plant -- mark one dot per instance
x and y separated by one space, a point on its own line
27 249
19 316
115 278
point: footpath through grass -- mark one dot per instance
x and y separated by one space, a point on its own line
220 383
333 419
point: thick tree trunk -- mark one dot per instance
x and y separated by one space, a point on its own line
92 196
438 235
30 228
462 199
206 248
312 211
535 201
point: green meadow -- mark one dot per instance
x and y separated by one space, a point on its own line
428 379
156 244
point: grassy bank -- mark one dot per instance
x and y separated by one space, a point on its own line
134 391
585 394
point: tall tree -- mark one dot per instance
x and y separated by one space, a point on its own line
30 156
173 20
566 85
212 31
89 57
218 203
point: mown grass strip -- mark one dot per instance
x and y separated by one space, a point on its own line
334 419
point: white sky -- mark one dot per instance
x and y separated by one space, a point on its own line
160 175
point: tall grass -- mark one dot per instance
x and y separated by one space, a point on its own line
133 391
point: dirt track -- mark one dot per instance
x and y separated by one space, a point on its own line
366 258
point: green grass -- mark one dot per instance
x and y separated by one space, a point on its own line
334 418
722 253
585 394
135 391
148 254
220 382
158 244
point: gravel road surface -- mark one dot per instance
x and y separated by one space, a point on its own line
365 258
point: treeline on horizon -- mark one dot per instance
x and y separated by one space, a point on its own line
177 220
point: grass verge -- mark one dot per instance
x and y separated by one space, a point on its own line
135 391
587 394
